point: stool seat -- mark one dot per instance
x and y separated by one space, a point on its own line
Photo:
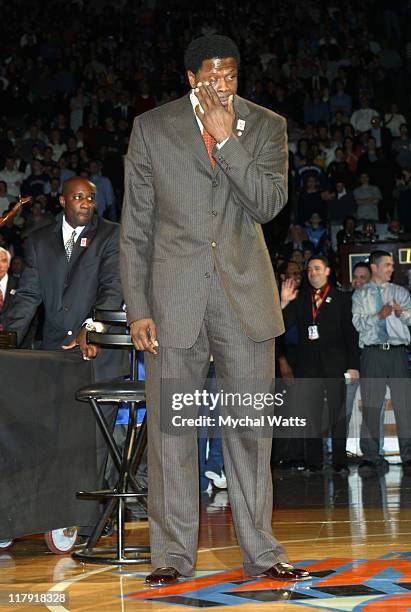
118 317
121 391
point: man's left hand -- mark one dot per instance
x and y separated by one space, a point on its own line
396 309
89 351
217 120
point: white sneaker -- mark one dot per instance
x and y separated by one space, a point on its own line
219 481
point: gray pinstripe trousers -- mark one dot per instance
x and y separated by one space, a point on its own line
173 466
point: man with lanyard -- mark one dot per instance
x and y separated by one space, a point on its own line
381 314
328 349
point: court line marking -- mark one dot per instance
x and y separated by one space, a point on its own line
65 584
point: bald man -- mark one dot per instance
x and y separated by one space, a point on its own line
71 267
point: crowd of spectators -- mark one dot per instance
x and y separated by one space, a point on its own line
73 75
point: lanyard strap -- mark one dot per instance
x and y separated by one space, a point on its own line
314 307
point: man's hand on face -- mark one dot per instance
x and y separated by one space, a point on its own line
144 335
217 120
89 351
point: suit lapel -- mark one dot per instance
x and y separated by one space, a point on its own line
57 241
186 126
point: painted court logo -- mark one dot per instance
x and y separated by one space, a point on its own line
355 585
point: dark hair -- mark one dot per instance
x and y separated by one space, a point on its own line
322 258
362 264
209 47
376 256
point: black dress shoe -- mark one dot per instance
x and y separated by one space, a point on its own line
163 576
285 571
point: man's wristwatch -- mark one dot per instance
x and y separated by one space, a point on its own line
95 326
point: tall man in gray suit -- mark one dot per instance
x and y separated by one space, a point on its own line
201 174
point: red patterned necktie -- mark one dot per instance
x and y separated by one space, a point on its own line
318 298
209 142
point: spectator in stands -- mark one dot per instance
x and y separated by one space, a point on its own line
5 200
402 148
12 177
338 169
367 197
340 102
297 241
37 218
348 234
105 198
361 275
381 135
361 118
393 120
381 315
403 194
35 183
317 233
300 156
58 147
342 204
315 109
310 200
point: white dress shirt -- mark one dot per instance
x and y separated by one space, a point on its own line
68 231
365 309
3 285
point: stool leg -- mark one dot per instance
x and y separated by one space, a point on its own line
120 528
98 529
139 448
128 449
102 423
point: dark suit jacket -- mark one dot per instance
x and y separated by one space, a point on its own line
70 290
337 348
12 286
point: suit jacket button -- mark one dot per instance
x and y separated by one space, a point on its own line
69 333
215 183
214 244
214 213
207 275
66 308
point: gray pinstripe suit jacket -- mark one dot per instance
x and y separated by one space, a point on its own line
176 207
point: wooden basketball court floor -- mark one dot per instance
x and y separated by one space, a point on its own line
354 535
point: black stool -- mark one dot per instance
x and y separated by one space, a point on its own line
126 460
